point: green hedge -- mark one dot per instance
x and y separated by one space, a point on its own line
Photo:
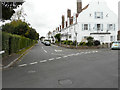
13 43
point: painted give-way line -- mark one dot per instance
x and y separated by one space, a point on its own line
51 59
58 58
22 65
33 63
43 61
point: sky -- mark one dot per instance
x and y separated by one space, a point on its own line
45 15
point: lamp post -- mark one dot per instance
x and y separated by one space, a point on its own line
75 34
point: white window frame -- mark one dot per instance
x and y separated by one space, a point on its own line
86 27
101 27
111 27
98 15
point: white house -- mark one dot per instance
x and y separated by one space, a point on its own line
97 21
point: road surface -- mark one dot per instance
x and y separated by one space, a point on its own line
57 67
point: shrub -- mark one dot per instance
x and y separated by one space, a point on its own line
57 42
96 43
82 44
74 42
90 44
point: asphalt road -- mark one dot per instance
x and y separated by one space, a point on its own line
57 67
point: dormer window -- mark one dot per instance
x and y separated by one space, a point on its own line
98 15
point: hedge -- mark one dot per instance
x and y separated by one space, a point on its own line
13 43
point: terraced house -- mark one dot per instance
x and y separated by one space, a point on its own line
95 20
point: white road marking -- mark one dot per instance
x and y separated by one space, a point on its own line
51 59
58 50
31 71
43 61
33 63
77 53
65 56
44 50
58 58
22 65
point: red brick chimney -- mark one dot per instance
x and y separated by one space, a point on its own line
60 27
69 13
63 19
119 35
71 20
79 6
66 24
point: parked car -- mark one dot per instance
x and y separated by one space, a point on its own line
116 45
47 43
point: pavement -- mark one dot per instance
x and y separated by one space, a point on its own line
58 67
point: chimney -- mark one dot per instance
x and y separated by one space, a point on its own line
66 23
118 35
60 27
63 19
69 13
71 20
79 6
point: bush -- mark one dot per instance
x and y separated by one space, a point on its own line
82 44
96 43
57 42
90 44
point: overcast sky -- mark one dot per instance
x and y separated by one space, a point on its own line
45 15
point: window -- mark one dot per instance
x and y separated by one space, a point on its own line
99 15
112 38
70 36
90 14
102 38
85 26
111 27
99 27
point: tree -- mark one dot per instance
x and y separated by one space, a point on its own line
32 34
19 15
57 36
21 28
8 9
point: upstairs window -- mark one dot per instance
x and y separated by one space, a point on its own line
99 27
85 26
98 15
110 27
